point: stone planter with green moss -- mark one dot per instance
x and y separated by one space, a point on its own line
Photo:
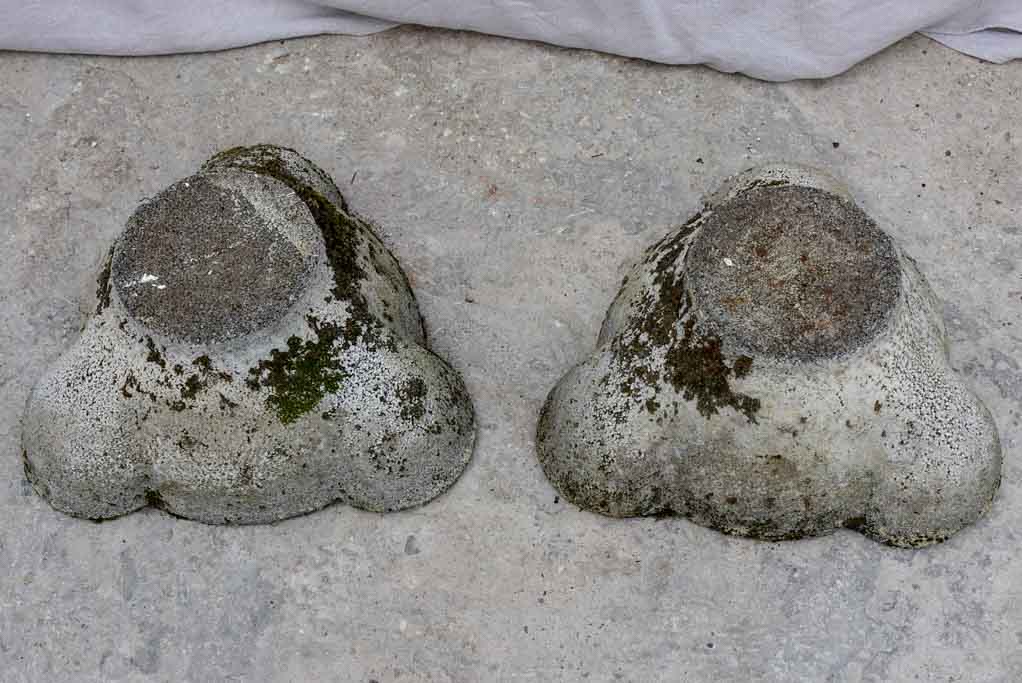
775 368
255 352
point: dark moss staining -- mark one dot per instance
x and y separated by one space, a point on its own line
764 182
864 527
619 502
26 465
341 236
154 355
341 233
199 381
412 393
263 158
131 387
192 386
306 371
385 457
697 369
188 442
189 389
855 523
205 366
103 284
694 363
154 499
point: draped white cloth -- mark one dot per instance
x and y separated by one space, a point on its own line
768 39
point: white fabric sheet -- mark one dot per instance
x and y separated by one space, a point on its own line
768 39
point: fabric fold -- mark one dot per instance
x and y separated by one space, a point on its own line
777 41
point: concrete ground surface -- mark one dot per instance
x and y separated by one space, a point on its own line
515 182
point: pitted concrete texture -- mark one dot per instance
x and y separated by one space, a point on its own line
243 366
202 264
792 270
775 368
516 184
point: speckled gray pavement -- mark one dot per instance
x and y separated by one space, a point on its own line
516 184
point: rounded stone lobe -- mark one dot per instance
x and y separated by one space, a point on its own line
201 264
792 271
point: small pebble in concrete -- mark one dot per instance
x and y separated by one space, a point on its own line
255 353
775 368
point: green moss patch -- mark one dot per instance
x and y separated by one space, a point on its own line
301 375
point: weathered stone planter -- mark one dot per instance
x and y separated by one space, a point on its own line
255 353
775 368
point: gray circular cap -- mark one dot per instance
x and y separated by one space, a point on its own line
793 271
201 263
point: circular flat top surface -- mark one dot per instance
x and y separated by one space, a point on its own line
794 272
199 263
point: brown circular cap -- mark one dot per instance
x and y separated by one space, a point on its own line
200 263
792 271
